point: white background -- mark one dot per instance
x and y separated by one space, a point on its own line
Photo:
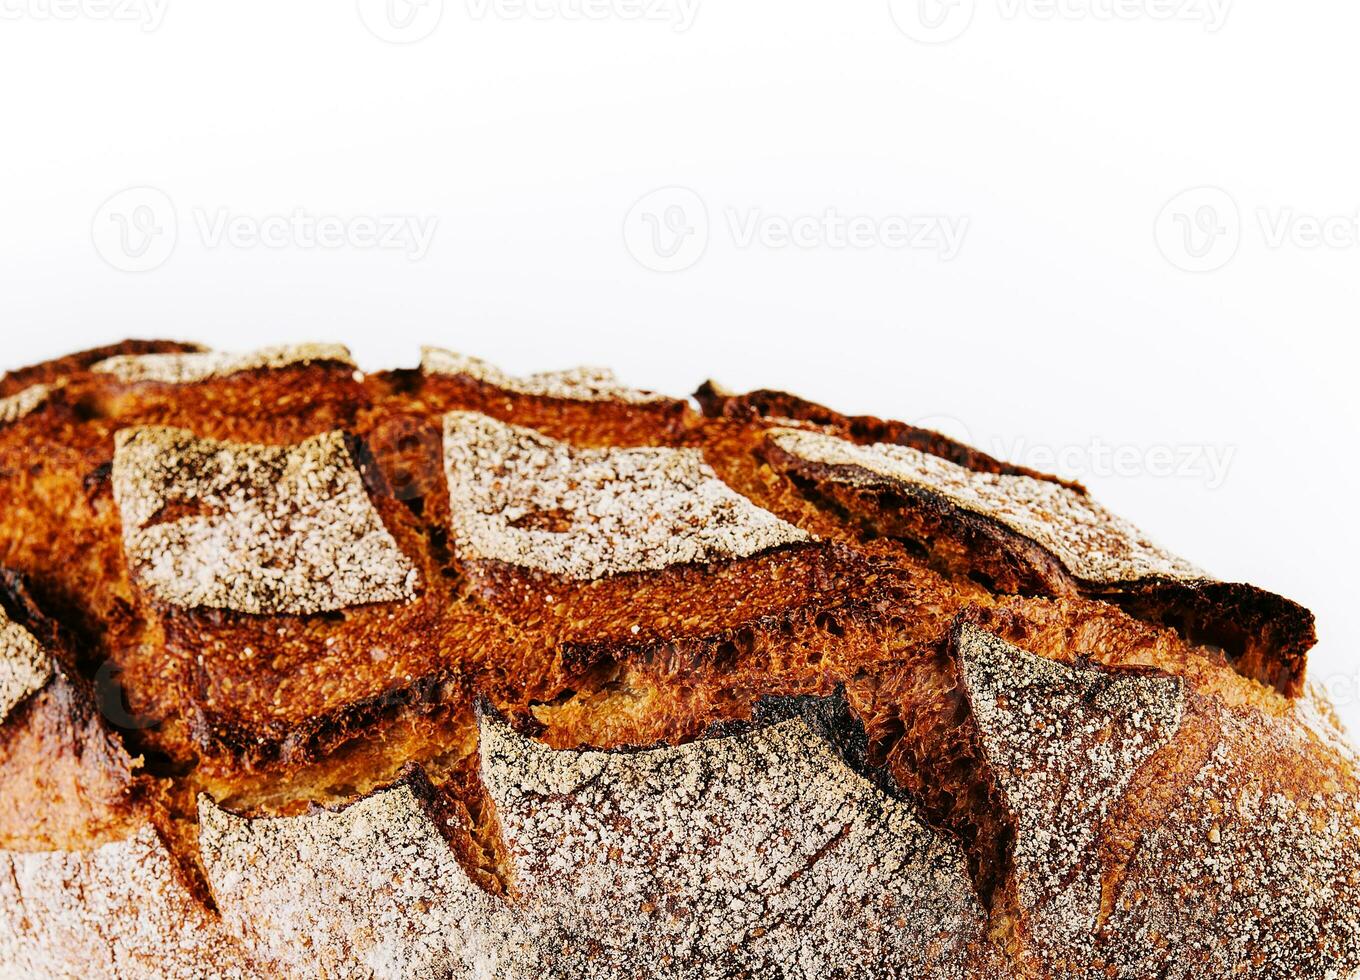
1061 137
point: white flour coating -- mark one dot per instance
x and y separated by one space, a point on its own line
118 912
369 891
272 529
1313 710
757 855
25 402
24 665
612 510
1093 544
1064 742
1246 876
585 384
752 855
194 366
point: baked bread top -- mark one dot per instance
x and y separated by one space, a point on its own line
444 672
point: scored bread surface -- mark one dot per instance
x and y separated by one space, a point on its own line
24 665
284 529
611 510
444 672
1091 542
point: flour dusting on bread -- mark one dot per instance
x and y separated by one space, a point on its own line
25 402
587 384
1064 742
757 854
1093 544
445 673
118 911
24 665
179 369
519 497
760 851
1245 868
369 890
266 529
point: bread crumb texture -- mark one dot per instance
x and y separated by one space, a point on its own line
186 368
519 497
1092 543
269 529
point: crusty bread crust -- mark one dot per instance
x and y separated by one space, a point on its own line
443 672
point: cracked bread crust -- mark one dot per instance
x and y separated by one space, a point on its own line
1033 534
1088 540
800 729
754 853
89 885
188 367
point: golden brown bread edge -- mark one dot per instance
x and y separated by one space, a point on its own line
221 733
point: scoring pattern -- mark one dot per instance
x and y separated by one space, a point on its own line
1092 543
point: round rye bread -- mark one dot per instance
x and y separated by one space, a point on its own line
441 672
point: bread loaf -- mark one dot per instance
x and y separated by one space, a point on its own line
440 672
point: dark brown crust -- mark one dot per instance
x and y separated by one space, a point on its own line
862 429
62 367
579 422
1267 636
66 781
297 402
